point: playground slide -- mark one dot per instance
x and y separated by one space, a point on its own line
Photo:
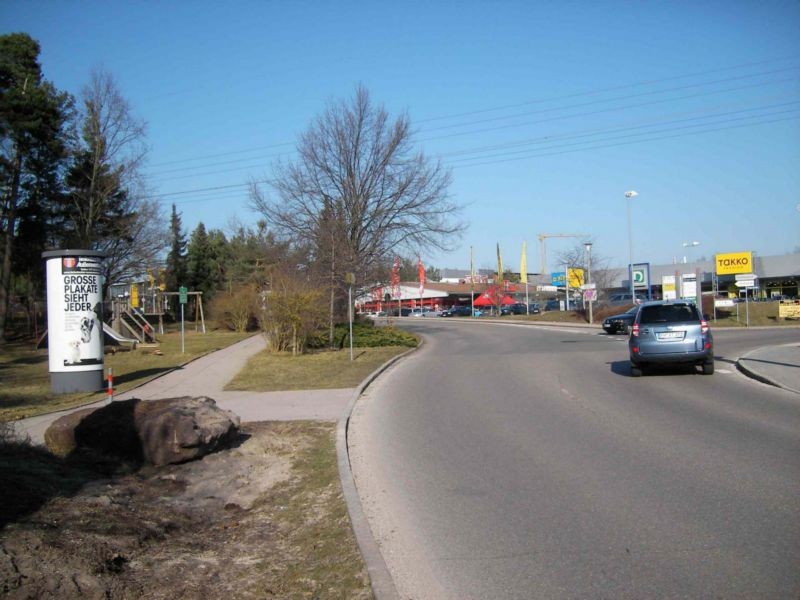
117 337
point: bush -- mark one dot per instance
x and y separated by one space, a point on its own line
236 310
365 335
293 313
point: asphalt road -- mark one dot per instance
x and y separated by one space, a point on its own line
512 462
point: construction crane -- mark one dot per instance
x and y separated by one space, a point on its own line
543 236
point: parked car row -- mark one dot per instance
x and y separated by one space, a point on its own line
520 309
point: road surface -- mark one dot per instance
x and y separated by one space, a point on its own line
515 462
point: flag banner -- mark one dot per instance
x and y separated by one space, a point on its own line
421 274
396 277
499 264
471 267
523 264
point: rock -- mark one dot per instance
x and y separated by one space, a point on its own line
158 432
109 429
181 429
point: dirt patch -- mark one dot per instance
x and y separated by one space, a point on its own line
265 519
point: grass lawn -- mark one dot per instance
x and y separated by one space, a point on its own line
26 380
322 369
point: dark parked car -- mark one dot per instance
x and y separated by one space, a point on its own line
457 311
620 323
670 332
552 305
519 309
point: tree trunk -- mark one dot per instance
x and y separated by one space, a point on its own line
8 246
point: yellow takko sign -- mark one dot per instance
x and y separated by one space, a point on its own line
734 262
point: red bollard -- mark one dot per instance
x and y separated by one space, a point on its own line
110 385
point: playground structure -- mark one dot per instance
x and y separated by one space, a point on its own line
139 312
132 321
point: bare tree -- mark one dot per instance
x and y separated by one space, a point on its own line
106 206
358 193
105 170
577 258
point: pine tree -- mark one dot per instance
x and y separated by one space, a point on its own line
176 273
33 118
200 261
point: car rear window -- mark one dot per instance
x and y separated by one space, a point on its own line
668 313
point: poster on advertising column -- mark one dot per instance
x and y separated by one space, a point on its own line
74 319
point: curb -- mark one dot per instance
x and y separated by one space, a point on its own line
754 374
380 579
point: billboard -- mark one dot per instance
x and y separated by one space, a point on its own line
74 319
576 279
734 262
640 274
668 290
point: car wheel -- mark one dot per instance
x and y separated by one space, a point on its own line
708 368
636 371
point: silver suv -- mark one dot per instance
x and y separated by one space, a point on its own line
670 332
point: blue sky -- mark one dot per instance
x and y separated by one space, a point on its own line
547 112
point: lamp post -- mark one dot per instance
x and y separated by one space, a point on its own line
698 291
588 247
689 245
630 194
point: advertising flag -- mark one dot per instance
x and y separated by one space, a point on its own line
421 274
523 264
499 264
396 277
471 267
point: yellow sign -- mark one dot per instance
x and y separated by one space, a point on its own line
734 262
789 310
576 278
135 296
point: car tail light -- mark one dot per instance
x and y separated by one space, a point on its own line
703 326
635 330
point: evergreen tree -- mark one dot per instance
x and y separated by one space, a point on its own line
200 261
176 272
33 134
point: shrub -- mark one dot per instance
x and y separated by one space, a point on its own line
236 310
293 313
366 335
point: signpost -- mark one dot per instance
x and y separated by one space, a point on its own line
350 279
183 296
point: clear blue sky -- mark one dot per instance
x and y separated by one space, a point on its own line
546 111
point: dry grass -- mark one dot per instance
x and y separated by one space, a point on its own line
267 372
761 314
26 380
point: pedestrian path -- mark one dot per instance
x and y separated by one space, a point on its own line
207 376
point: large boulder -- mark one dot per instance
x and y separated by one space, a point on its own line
158 432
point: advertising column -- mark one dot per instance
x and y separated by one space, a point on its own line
75 320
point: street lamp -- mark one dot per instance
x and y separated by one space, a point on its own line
698 291
689 245
588 247
630 194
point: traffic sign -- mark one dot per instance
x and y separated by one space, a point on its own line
746 283
183 294
745 277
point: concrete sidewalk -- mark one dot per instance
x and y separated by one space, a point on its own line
207 376
776 365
